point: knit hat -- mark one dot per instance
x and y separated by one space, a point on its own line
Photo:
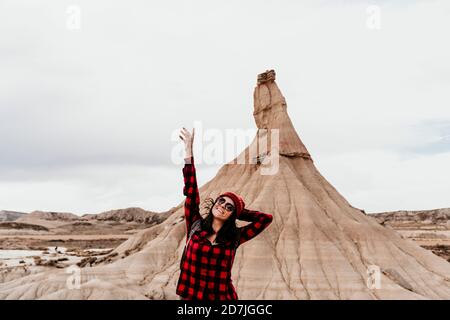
239 203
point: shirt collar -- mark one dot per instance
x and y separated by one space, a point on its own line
203 235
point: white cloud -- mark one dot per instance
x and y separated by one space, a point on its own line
97 188
93 189
379 181
110 94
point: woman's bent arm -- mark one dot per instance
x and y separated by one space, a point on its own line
259 222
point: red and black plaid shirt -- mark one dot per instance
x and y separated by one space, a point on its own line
206 271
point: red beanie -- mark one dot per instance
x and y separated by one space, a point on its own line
239 203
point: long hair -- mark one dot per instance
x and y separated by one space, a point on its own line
228 232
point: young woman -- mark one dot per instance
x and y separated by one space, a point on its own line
211 246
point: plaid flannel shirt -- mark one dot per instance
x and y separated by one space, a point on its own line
206 270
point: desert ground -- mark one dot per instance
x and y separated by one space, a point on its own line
33 242
40 240
429 228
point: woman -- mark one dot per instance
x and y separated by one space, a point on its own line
211 247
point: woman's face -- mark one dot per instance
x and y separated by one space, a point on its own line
222 207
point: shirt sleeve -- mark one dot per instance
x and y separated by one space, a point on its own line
259 221
190 190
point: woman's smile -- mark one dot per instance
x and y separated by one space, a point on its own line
220 210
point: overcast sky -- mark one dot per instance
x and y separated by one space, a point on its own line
92 91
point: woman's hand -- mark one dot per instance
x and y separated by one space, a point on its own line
188 140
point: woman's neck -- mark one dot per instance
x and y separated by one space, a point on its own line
216 225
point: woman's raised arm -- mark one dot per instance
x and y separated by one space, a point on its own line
190 189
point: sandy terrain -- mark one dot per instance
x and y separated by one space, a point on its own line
42 241
30 233
428 228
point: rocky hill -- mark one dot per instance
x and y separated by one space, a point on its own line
437 217
6 215
129 215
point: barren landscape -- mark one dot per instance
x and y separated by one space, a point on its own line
318 246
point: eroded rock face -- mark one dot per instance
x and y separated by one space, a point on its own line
268 76
318 246
270 112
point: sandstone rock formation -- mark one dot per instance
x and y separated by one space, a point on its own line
318 246
435 217
48 219
128 215
49 215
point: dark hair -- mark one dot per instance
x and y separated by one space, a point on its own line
228 232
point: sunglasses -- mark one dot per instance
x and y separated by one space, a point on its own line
228 206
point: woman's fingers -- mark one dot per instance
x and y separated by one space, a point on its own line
187 133
187 136
188 139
